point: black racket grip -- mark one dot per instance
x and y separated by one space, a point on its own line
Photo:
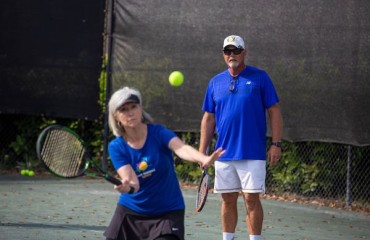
113 180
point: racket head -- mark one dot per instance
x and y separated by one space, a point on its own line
202 192
62 152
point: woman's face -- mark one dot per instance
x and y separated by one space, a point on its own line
129 115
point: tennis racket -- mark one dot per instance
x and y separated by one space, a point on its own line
202 191
63 153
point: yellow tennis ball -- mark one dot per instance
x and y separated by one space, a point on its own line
24 172
31 173
143 166
176 78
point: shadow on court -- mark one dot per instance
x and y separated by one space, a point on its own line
45 208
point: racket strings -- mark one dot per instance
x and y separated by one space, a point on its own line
63 153
203 191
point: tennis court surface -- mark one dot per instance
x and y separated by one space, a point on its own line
50 208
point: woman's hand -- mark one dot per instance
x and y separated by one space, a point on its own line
213 157
130 182
125 187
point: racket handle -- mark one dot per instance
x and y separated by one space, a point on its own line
113 180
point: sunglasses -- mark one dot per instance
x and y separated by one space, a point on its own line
236 51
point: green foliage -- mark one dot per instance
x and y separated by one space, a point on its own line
288 171
103 84
188 172
97 129
294 173
307 168
22 152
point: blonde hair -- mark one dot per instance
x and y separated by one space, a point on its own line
120 97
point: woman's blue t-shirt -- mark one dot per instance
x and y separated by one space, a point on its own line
159 187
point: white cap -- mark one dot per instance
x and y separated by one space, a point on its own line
126 95
123 96
234 40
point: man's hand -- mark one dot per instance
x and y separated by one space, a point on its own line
274 154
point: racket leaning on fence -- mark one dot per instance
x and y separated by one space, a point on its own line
63 153
202 192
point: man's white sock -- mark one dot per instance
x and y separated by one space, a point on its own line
255 237
227 236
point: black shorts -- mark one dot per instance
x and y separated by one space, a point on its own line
128 225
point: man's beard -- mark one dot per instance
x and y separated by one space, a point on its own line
233 64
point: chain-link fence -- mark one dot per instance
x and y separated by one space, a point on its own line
329 171
334 172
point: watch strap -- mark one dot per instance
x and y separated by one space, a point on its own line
276 144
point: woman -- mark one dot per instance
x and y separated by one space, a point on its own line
151 205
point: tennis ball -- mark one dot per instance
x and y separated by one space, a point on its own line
24 172
31 173
176 78
143 166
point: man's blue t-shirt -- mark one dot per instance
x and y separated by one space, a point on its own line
159 187
241 114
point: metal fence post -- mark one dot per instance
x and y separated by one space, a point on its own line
108 84
348 182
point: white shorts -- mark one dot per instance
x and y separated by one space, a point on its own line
243 175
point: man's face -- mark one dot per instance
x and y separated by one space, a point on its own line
233 56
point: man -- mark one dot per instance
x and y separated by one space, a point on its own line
234 106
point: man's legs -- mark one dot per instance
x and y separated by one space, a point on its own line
253 175
254 216
229 212
250 176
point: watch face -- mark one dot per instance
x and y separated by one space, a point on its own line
277 144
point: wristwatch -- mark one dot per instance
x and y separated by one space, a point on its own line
276 144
